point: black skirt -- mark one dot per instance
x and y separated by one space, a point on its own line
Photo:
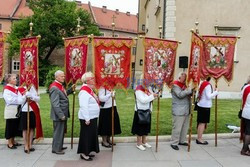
247 126
140 129
105 122
203 115
12 128
88 140
23 120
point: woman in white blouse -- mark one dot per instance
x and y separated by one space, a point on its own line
144 98
88 114
105 118
32 94
205 96
12 98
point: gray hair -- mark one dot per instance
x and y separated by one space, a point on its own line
8 77
58 72
180 74
248 79
86 75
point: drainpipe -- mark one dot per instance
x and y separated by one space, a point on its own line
164 19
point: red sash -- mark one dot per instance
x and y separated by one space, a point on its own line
245 94
202 87
91 92
59 86
141 88
10 88
181 85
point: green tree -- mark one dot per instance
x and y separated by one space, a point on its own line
53 20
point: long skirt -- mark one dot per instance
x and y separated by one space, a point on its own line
105 122
23 120
11 129
140 129
88 140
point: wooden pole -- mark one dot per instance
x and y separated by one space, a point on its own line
112 122
191 121
73 118
28 124
157 123
216 105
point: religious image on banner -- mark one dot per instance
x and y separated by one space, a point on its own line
29 62
112 58
194 61
159 60
76 50
2 40
218 58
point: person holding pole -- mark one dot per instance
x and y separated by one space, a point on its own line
143 101
33 96
181 105
245 120
204 104
105 118
88 113
59 111
12 98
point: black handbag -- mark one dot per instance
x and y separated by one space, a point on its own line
102 103
19 110
196 106
240 114
143 115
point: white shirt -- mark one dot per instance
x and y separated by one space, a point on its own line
11 98
246 109
89 108
105 98
206 97
32 94
143 100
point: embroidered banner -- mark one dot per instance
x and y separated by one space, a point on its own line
159 61
218 58
196 52
76 51
112 58
2 40
29 62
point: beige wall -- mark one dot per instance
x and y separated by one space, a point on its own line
6 24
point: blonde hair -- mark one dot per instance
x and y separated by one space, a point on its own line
86 75
181 73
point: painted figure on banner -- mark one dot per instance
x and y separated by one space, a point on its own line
217 57
29 74
76 57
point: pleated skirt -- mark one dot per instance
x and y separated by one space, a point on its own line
105 122
140 129
88 140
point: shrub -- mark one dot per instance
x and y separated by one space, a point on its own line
50 77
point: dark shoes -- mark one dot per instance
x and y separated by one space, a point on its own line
110 143
175 147
106 145
64 148
12 147
245 153
17 144
183 144
86 159
202 143
31 150
58 152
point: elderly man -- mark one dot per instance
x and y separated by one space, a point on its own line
181 103
59 111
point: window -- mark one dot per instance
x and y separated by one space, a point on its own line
141 62
0 26
143 27
116 35
134 51
15 65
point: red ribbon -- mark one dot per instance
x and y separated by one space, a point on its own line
91 92
181 85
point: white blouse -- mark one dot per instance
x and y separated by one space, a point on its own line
89 108
12 98
206 97
32 94
105 98
143 100
246 109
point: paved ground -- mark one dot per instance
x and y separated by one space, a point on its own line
227 154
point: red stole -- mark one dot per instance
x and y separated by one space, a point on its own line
91 92
10 88
141 88
59 86
181 85
245 94
202 87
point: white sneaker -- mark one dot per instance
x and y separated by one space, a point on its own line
140 147
147 145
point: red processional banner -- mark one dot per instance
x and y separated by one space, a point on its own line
29 62
218 58
76 51
2 40
159 60
112 58
196 52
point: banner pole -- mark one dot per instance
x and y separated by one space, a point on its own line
216 107
157 123
112 122
73 118
191 120
28 124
